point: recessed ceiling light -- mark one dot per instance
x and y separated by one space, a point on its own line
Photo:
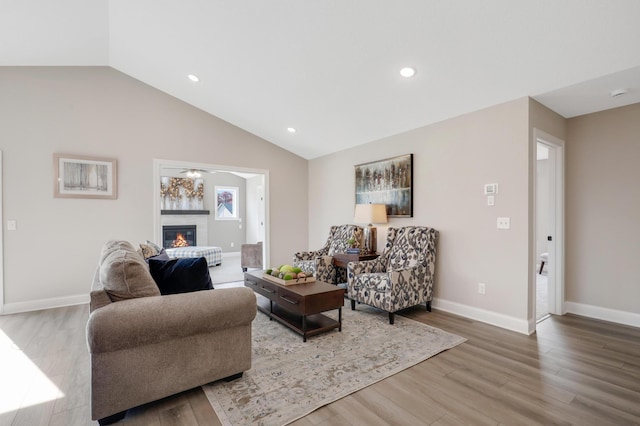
407 72
193 78
291 130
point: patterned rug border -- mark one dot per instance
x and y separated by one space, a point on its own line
364 312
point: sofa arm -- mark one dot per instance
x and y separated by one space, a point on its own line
147 320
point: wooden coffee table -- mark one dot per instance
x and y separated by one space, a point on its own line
298 306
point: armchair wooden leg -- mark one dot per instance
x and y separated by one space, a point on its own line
429 306
392 317
353 305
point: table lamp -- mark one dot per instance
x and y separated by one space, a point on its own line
370 214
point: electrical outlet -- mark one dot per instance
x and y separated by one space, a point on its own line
504 223
481 288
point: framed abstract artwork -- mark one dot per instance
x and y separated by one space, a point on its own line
388 182
77 176
226 203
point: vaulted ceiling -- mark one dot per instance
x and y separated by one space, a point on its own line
330 68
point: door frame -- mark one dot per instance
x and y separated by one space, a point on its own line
1 239
158 164
556 265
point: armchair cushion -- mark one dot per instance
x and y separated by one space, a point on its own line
407 250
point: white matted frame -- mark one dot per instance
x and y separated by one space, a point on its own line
78 176
226 203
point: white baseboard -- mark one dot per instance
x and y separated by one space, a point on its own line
605 314
482 315
40 304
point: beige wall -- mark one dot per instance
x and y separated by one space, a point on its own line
102 112
603 210
99 111
452 162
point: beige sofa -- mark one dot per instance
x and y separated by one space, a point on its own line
146 348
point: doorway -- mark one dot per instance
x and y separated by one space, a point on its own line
549 226
255 211
1 242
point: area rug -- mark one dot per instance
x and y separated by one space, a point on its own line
289 379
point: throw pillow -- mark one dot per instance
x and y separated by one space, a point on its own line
181 275
157 247
160 256
148 250
124 273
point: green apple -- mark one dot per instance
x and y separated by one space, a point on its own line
286 268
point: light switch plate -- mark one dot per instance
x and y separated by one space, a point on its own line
504 223
491 189
12 225
491 200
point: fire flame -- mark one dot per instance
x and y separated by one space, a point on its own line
180 241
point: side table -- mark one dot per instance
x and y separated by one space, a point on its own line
340 260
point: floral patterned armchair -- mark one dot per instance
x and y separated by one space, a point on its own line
401 277
320 262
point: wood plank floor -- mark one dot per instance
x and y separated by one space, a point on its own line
574 371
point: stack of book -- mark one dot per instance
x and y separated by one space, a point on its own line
353 250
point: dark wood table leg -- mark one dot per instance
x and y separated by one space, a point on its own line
304 328
340 318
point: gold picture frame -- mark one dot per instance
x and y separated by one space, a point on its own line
79 176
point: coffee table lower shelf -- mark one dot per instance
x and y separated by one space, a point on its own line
304 325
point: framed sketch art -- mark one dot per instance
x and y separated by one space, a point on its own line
226 203
77 176
388 182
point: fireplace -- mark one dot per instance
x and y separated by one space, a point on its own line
178 236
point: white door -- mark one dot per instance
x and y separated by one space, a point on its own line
261 206
555 221
1 242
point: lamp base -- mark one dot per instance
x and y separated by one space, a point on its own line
370 243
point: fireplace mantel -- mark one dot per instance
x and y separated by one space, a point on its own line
177 212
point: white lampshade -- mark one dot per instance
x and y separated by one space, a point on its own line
370 213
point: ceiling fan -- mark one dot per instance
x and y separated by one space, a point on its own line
195 173
192 172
